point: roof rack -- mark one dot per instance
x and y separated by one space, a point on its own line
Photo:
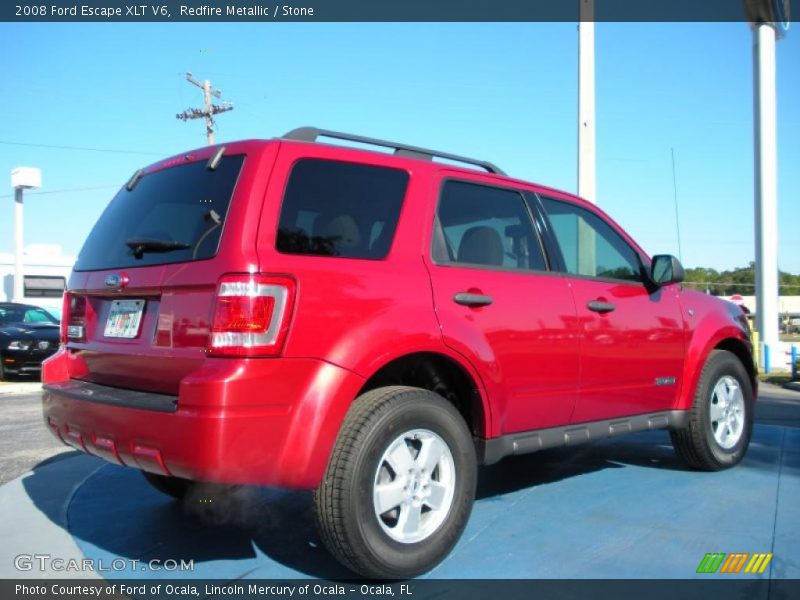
310 134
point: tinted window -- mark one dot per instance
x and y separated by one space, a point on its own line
183 205
43 286
483 225
589 245
334 208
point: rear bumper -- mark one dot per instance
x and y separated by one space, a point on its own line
257 421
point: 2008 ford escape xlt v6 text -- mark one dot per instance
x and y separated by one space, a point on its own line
373 326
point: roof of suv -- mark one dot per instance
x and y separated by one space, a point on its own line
406 151
311 135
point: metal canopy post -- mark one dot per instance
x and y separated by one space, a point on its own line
586 104
766 186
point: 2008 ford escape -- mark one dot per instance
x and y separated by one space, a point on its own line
372 326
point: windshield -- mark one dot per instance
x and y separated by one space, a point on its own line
25 314
173 215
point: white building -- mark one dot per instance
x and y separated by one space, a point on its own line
787 305
45 272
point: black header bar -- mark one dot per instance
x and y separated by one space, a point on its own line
394 10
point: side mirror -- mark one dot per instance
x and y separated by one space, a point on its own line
666 269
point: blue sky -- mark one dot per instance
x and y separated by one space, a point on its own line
502 92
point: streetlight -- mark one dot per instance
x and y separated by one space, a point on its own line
21 178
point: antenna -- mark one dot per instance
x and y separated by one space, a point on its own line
675 194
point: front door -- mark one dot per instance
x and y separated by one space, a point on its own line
632 332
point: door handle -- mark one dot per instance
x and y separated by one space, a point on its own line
601 307
469 299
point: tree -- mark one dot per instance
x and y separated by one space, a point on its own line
738 281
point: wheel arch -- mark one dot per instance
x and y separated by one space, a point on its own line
443 375
732 341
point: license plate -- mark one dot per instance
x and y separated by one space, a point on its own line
124 319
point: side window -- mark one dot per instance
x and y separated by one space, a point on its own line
334 208
483 225
589 245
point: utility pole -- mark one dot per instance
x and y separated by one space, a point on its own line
586 125
209 109
587 243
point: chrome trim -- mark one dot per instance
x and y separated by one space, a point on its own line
75 331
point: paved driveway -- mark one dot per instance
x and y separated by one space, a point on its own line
622 508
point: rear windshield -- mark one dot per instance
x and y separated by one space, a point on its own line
173 215
342 209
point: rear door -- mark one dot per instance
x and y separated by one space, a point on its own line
499 306
144 282
632 333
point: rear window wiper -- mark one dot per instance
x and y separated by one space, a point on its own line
142 245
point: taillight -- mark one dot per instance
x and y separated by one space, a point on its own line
73 318
65 300
251 315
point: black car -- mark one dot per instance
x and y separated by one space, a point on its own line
28 335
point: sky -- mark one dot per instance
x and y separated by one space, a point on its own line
506 93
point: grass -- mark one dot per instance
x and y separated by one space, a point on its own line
775 378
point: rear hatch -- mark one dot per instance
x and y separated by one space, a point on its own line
141 297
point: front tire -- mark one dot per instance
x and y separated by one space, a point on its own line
4 374
721 418
400 484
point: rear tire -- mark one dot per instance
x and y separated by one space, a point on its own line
721 418
171 486
400 484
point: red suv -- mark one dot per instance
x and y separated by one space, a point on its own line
372 326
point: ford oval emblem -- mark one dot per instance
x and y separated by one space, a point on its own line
115 281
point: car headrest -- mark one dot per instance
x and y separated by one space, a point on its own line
481 245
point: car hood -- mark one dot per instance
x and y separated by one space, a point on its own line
30 331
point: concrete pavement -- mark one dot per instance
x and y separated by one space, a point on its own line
622 508
24 441
19 387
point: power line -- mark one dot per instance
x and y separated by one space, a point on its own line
65 190
85 148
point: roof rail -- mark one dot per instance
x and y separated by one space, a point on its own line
310 134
